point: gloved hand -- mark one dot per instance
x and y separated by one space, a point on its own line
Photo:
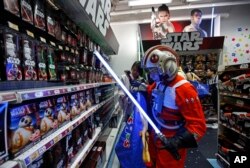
135 83
183 139
138 85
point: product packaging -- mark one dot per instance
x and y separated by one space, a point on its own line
69 147
26 11
50 21
88 99
39 14
47 116
23 128
77 140
74 106
12 6
41 61
11 60
58 30
3 132
62 110
51 64
28 53
82 101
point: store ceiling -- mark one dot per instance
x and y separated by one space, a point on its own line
179 9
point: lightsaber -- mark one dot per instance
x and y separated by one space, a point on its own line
131 97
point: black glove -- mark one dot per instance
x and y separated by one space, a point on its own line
181 140
135 83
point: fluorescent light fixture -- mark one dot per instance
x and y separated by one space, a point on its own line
147 2
140 109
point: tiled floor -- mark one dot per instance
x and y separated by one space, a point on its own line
202 157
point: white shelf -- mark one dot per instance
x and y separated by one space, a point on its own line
79 158
11 164
111 141
37 150
29 94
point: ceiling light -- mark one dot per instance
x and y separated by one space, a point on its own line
147 2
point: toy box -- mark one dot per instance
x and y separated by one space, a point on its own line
82 101
12 6
28 53
48 121
39 14
62 110
51 64
3 133
11 60
74 106
23 128
26 11
41 61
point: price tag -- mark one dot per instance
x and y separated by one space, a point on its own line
13 26
72 50
57 91
42 150
67 68
52 43
43 39
67 48
38 94
29 33
56 139
60 47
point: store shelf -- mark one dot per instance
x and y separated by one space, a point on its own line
235 95
245 107
11 164
111 141
240 133
79 158
37 150
30 94
222 159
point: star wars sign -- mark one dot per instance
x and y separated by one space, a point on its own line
186 41
99 11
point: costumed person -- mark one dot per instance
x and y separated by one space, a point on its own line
176 109
213 89
160 24
196 19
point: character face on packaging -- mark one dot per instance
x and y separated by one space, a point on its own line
62 110
12 6
22 126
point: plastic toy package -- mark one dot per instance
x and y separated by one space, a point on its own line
26 11
12 6
3 133
29 64
74 106
41 61
11 62
62 110
39 14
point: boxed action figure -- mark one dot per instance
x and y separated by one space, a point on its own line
47 117
41 61
82 101
26 11
3 132
62 110
11 60
50 21
39 14
12 6
51 64
29 64
23 128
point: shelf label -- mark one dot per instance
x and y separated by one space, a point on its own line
13 26
60 47
67 48
57 91
52 43
43 39
42 150
38 94
72 51
29 33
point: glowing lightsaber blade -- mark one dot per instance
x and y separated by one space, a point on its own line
157 131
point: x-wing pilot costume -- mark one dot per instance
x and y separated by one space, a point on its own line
176 108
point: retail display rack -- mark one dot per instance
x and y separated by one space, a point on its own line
234 116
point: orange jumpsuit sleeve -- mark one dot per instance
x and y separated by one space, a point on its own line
190 107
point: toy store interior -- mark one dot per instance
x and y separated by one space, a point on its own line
124 83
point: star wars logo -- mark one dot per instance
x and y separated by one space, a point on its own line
12 60
99 10
188 41
30 63
44 104
16 112
42 65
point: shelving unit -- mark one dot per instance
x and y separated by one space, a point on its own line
233 132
